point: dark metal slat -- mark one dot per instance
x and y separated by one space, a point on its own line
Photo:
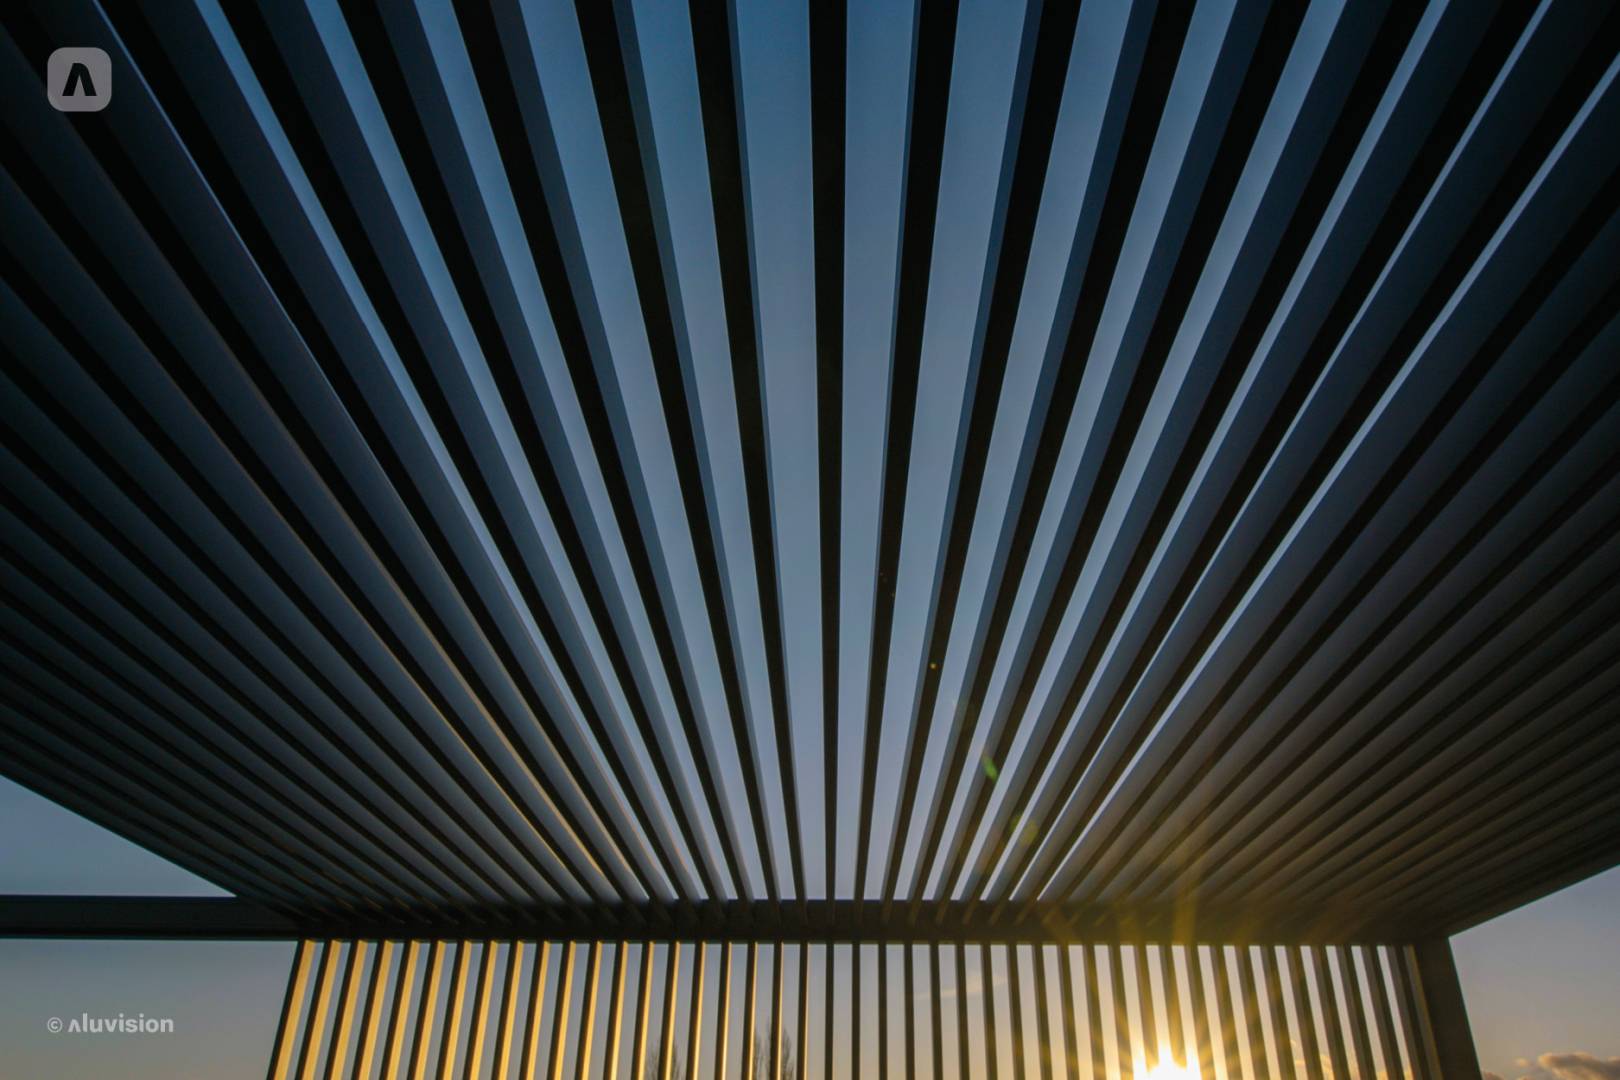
828 61
613 1044
933 53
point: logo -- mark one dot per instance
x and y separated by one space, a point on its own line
78 80
122 1024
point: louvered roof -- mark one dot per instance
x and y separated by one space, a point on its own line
1123 457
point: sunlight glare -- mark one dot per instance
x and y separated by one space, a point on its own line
1168 1069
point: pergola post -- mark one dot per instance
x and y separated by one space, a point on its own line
1442 999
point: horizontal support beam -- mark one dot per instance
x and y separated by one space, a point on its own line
812 921
179 917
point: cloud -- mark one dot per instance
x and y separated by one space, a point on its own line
1577 1065
1565 1065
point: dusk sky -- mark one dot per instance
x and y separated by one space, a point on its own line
1543 980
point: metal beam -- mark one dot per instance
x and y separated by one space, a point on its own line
740 921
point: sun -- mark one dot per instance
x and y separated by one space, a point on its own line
1169 1069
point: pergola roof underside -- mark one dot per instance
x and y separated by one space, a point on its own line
525 458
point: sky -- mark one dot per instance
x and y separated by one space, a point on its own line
1542 983
1545 979
222 996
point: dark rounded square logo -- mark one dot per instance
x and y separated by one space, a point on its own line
78 79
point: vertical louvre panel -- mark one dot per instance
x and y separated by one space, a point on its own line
1355 1012
1198 999
1015 1013
1172 1006
829 958
1300 995
908 1002
1125 1067
1221 975
1421 1051
320 1003
964 1053
723 1032
993 1038
778 1010
399 1011
559 1013
512 983
1389 1054
1147 1021
483 1026
1327 1003
644 1000
376 987
292 1006
453 1012
804 1011
587 1034
1248 995
857 1025
887 1020
1272 981
672 997
1069 1016
493 1010
615 1010
1091 978
694 1030
422 1035
344 1025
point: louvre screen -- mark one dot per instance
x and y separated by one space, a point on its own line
498 1009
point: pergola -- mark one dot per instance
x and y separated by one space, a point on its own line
898 539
